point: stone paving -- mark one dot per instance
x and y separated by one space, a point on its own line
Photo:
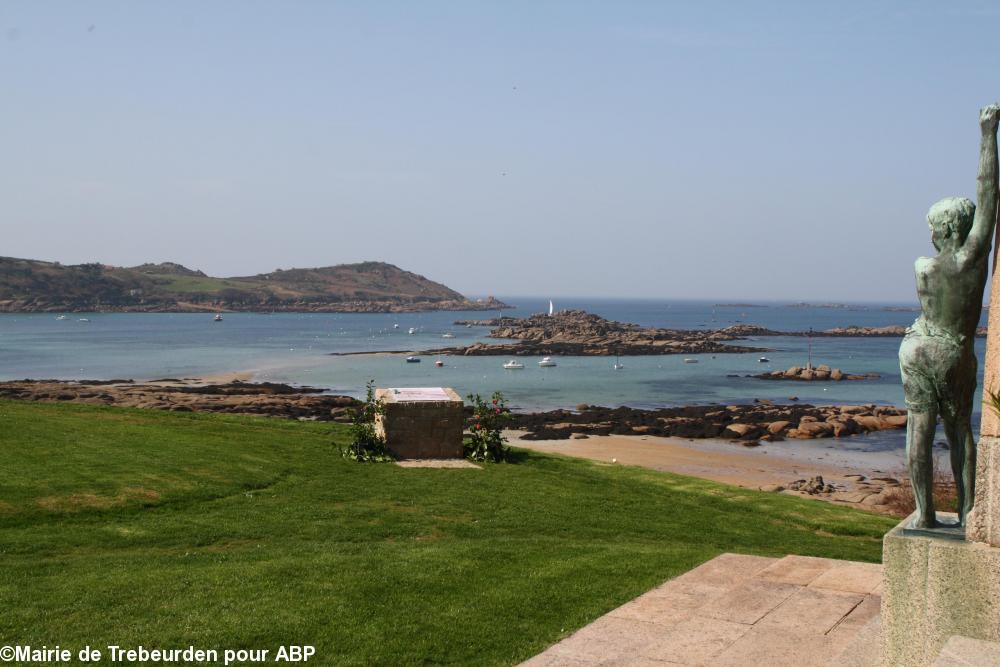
740 610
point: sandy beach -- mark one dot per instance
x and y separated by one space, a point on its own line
762 467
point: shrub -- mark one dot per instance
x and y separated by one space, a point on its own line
366 444
486 442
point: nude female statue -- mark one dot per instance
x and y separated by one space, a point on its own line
937 356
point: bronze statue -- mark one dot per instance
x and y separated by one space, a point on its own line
937 357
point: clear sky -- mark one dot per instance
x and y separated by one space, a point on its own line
731 150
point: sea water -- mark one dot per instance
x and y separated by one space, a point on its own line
309 348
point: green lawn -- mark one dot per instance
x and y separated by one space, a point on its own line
133 527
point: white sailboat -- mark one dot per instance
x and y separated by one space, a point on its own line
552 308
618 363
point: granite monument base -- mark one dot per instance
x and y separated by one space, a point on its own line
422 423
937 585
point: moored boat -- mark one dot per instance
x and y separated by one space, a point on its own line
546 361
413 360
513 365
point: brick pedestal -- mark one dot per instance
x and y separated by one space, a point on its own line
422 423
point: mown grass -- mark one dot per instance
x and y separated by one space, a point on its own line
133 527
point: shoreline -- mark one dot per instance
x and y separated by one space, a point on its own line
857 474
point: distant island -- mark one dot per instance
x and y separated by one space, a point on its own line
31 286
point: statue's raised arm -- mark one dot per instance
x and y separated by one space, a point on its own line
977 245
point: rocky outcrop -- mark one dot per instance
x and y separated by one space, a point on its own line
821 373
877 494
578 333
277 400
763 421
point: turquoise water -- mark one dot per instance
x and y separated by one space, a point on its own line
296 348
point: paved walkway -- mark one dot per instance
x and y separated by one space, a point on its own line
740 610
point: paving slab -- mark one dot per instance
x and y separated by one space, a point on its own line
727 569
799 570
749 602
851 577
775 648
695 641
740 610
438 463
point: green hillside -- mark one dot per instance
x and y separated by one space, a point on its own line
35 286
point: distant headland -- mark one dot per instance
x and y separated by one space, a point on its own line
28 286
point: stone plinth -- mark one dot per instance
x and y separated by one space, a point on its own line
936 586
421 423
984 520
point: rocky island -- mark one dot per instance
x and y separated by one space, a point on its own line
818 374
579 333
32 286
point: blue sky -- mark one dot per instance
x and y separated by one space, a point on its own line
737 150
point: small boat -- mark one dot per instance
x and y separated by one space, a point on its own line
552 308
764 360
439 363
411 331
546 361
689 360
218 317
513 365
413 360
447 335
61 317
83 319
395 326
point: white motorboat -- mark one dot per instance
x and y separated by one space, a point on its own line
439 363
764 360
413 360
411 331
83 319
395 326
61 317
546 361
689 360
218 317
447 335
513 365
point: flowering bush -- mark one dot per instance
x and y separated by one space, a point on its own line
366 443
486 428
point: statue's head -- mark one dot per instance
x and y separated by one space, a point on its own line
950 221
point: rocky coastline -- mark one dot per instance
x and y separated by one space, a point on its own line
189 395
749 424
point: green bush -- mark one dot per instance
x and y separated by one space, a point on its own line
366 444
486 425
